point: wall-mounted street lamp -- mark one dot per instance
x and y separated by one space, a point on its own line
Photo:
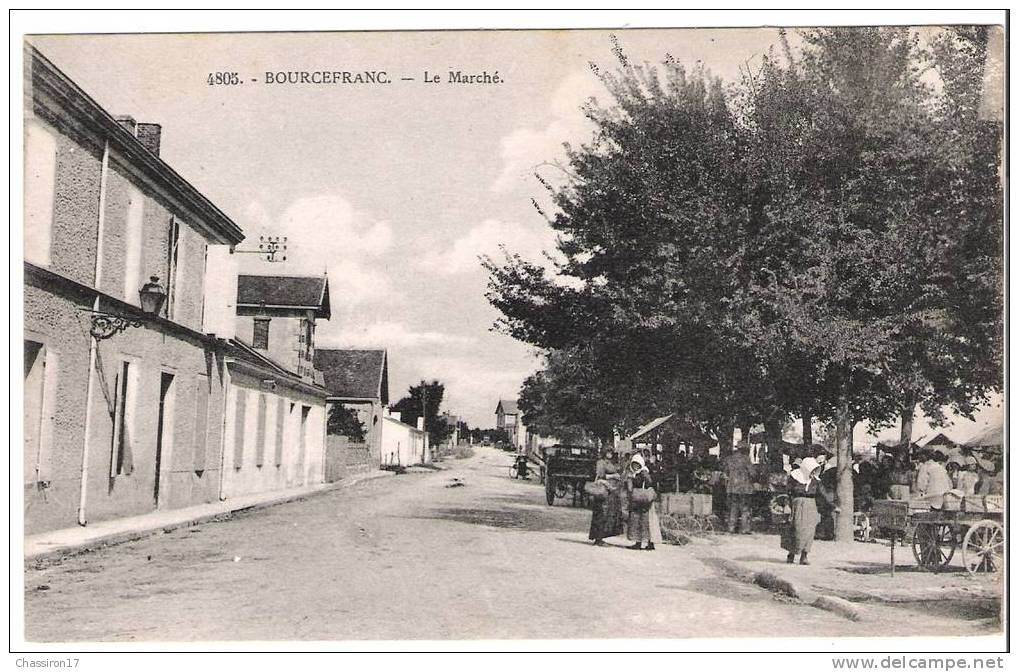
105 325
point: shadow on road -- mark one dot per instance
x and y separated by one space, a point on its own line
726 590
860 567
528 520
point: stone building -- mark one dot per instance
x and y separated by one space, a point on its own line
155 377
508 418
359 381
124 381
276 405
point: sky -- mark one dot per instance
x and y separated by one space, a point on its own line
393 190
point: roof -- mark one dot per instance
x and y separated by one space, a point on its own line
992 436
242 352
508 406
355 374
938 439
284 291
48 84
681 430
657 422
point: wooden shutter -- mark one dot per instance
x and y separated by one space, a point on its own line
201 421
242 396
281 416
260 432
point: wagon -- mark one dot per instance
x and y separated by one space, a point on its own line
567 469
975 530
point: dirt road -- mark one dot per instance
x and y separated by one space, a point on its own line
408 557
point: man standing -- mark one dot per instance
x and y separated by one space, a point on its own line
737 471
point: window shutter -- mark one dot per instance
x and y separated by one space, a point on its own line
201 421
260 435
239 428
281 414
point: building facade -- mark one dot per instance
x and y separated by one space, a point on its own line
122 404
357 381
508 418
275 409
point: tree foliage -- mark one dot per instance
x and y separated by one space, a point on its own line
823 237
425 399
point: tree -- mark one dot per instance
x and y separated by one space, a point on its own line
823 240
425 400
344 421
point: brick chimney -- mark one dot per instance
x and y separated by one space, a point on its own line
149 135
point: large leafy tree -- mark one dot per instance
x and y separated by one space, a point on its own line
425 400
823 240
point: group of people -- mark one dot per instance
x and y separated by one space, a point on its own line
625 502
929 476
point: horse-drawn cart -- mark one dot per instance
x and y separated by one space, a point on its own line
567 469
973 527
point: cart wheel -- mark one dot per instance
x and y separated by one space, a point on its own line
562 488
549 490
982 546
933 545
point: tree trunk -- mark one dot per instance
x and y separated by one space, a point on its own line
724 432
808 432
744 432
773 436
844 473
906 428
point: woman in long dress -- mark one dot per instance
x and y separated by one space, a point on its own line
642 526
607 511
798 536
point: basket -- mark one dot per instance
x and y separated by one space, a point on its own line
642 498
596 489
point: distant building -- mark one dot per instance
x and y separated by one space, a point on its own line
508 418
276 315
358 380
276 408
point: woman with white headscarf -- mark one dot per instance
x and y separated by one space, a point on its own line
803 485
642 524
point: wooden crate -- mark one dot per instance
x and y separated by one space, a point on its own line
685 504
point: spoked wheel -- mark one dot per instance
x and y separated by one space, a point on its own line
561 488
982 547
933 545
550 490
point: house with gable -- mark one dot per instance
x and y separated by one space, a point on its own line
357 381
274 430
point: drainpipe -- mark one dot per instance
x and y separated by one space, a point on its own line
93 342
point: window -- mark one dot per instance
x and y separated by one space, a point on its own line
173 242
40 184
302 437
121 455
260 334
133 240
164 428
201 421
280 418
35 382
260 430
241 397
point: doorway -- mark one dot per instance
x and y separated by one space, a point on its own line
164 428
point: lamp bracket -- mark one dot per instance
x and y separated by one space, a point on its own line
105 325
